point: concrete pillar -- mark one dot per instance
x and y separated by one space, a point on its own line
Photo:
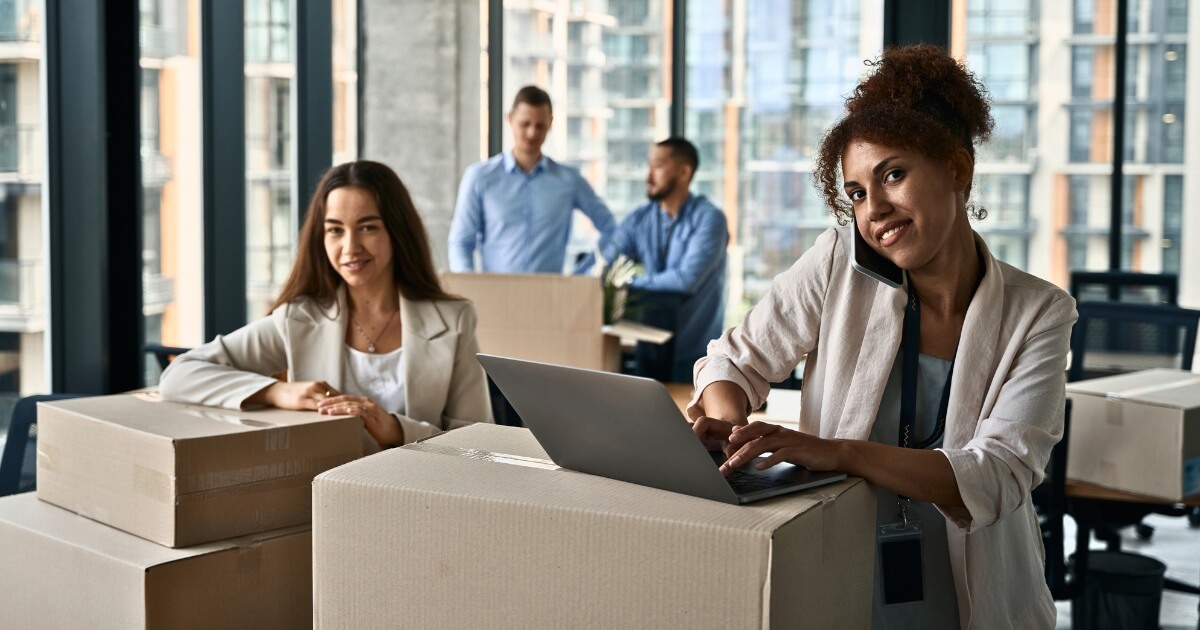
422 100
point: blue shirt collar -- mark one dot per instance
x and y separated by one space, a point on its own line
682 209
510 163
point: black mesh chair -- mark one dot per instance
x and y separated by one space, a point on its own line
1125 286
18 466
1114 338
163 354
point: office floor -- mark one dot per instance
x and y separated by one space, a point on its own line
1175 544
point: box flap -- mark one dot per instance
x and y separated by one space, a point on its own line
149 413
491 464
1178 389
634 331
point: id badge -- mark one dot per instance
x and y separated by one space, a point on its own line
902 569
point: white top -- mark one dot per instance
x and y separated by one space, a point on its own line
379 377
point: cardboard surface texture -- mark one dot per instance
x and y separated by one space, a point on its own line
1137 432
181 474
477 528
61 570
547 318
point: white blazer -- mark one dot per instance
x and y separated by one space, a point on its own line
1005 410
444 382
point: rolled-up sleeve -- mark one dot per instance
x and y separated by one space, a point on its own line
783 327
1007 457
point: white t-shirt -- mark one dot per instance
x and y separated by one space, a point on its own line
379 377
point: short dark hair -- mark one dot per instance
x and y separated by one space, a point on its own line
684 150
533 96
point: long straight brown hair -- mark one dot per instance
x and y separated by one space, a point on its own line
313 275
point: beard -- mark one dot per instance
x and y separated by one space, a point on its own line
663 191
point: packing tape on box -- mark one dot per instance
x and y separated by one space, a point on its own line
485 456
153 484
1114 412
47 456
1151 389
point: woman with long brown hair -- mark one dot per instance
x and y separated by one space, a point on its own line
361 327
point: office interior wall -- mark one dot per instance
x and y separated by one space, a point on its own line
421 100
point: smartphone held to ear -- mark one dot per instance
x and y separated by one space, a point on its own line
870 262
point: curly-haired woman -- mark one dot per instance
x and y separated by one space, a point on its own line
946 394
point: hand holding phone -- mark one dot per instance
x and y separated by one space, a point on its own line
870 262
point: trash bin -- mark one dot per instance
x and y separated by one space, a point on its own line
1122 591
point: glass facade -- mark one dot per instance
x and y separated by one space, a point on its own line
1066 154
270 217
22 269
604 64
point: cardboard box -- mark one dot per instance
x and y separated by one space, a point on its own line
475 528
1137 432
547 318
181 474
61 570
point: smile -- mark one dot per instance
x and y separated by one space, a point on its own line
891 233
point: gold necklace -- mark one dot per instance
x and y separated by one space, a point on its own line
370 341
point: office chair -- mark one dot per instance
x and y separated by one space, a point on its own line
1125 286
1115 338
1050 502
18 466
164 354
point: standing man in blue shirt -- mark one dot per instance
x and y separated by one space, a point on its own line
516 207
680 239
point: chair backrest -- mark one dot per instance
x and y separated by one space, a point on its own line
1125 286
18 466
1116 337
164 354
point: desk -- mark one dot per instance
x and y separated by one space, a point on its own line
783 405
1091 505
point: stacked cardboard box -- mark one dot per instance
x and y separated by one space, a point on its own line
233 487
1138 433
548 318
476 528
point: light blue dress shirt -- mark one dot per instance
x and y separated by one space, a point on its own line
682 255
519 221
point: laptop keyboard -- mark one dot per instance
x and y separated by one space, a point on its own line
745 483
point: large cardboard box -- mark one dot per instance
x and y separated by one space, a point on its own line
547 318
60 570
181 474
475 528
1137 432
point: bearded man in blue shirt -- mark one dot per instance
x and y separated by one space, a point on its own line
516 207
680 240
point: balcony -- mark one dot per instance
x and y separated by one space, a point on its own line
20 21
22 295
20 153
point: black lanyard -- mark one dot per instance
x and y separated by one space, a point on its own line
911 343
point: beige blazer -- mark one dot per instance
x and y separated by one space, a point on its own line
444 383
1005 410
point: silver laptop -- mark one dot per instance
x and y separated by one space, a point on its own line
628 428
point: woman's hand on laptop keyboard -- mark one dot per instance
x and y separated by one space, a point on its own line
714 433
785 445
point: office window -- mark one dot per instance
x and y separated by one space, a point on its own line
1176 16
766 78
1172 222
604 64
1082 69
22 269
172 216
271 225
345 81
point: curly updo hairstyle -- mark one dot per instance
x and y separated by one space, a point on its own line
918 99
